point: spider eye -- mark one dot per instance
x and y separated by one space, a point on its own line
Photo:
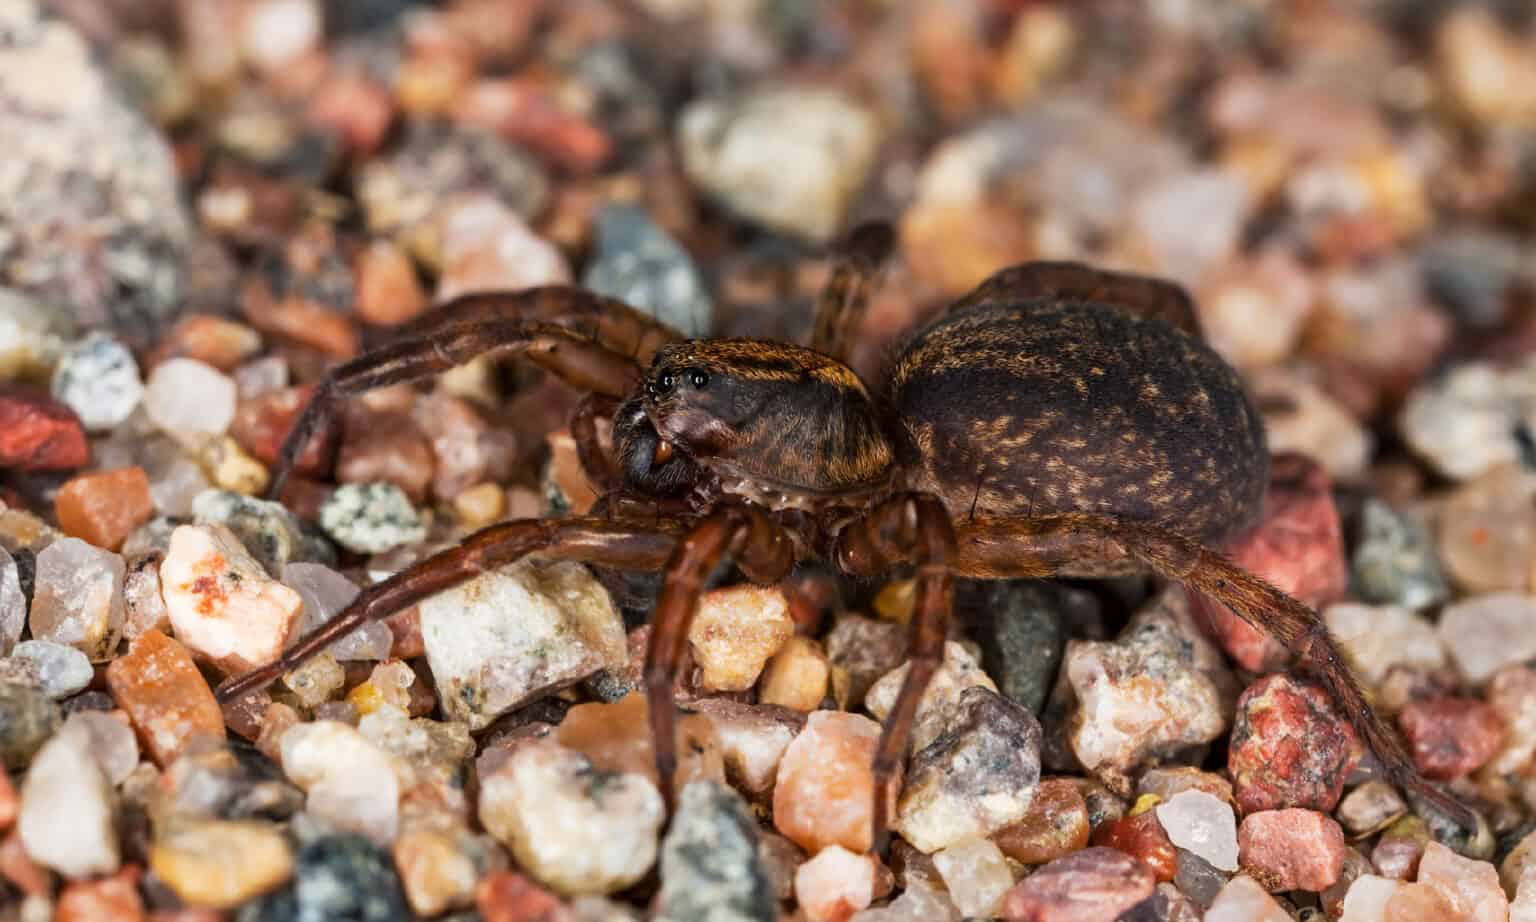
663 385
698 379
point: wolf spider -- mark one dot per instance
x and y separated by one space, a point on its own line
1057 421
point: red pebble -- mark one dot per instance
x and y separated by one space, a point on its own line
262 422
509 897
1142 837
524 112
1451 737
1289 747
1291 849
110 899
1095 883
38 433
1297 545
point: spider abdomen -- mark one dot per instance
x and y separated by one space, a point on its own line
1033 408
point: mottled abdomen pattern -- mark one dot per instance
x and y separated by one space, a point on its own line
1045 407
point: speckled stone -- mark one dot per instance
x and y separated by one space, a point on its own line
371 518
638 263
1289 747
975 778
1019 625
98 379
268 530
28 717
335 878
711 870
1394 562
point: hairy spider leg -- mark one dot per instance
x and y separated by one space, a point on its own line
765 553
845 298
590 539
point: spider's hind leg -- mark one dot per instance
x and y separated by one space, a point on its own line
1141 295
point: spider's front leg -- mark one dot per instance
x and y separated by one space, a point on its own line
593 343
907 527
589 539
762 549
1048 545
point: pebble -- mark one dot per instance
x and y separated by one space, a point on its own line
113 899
212 340
752 740
466 449
316 680
335 877
66 820
38 433
796 677
834 884
507 896
1399 848
976 875
110 739
28 718
1368 898
711 867
143 602
1179 246
33 334
920 902
735 631
1055 824
186 397
98 379
617 738
348 781
638 263
104 508
1140 835
13 603
167 700
1291 849
938 709
371 518
1300 417
1203 824
326 593
513 634
975 778
221 602
61 670
268 530
1093 884
1484 633
1394 562
1244 900
77 598
862 650
788 158
1464 422
1370 808
217 864
1254 310
1140 695
1451 737
1512 694
579 830
388 289
100 233
1381 637
488 247
1019 625
440 867
1486 531
1289 747
1470 887
387 447
825 785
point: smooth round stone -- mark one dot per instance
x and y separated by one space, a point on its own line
188 397
62 670
97 378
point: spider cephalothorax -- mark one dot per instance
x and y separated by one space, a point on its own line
1058 421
